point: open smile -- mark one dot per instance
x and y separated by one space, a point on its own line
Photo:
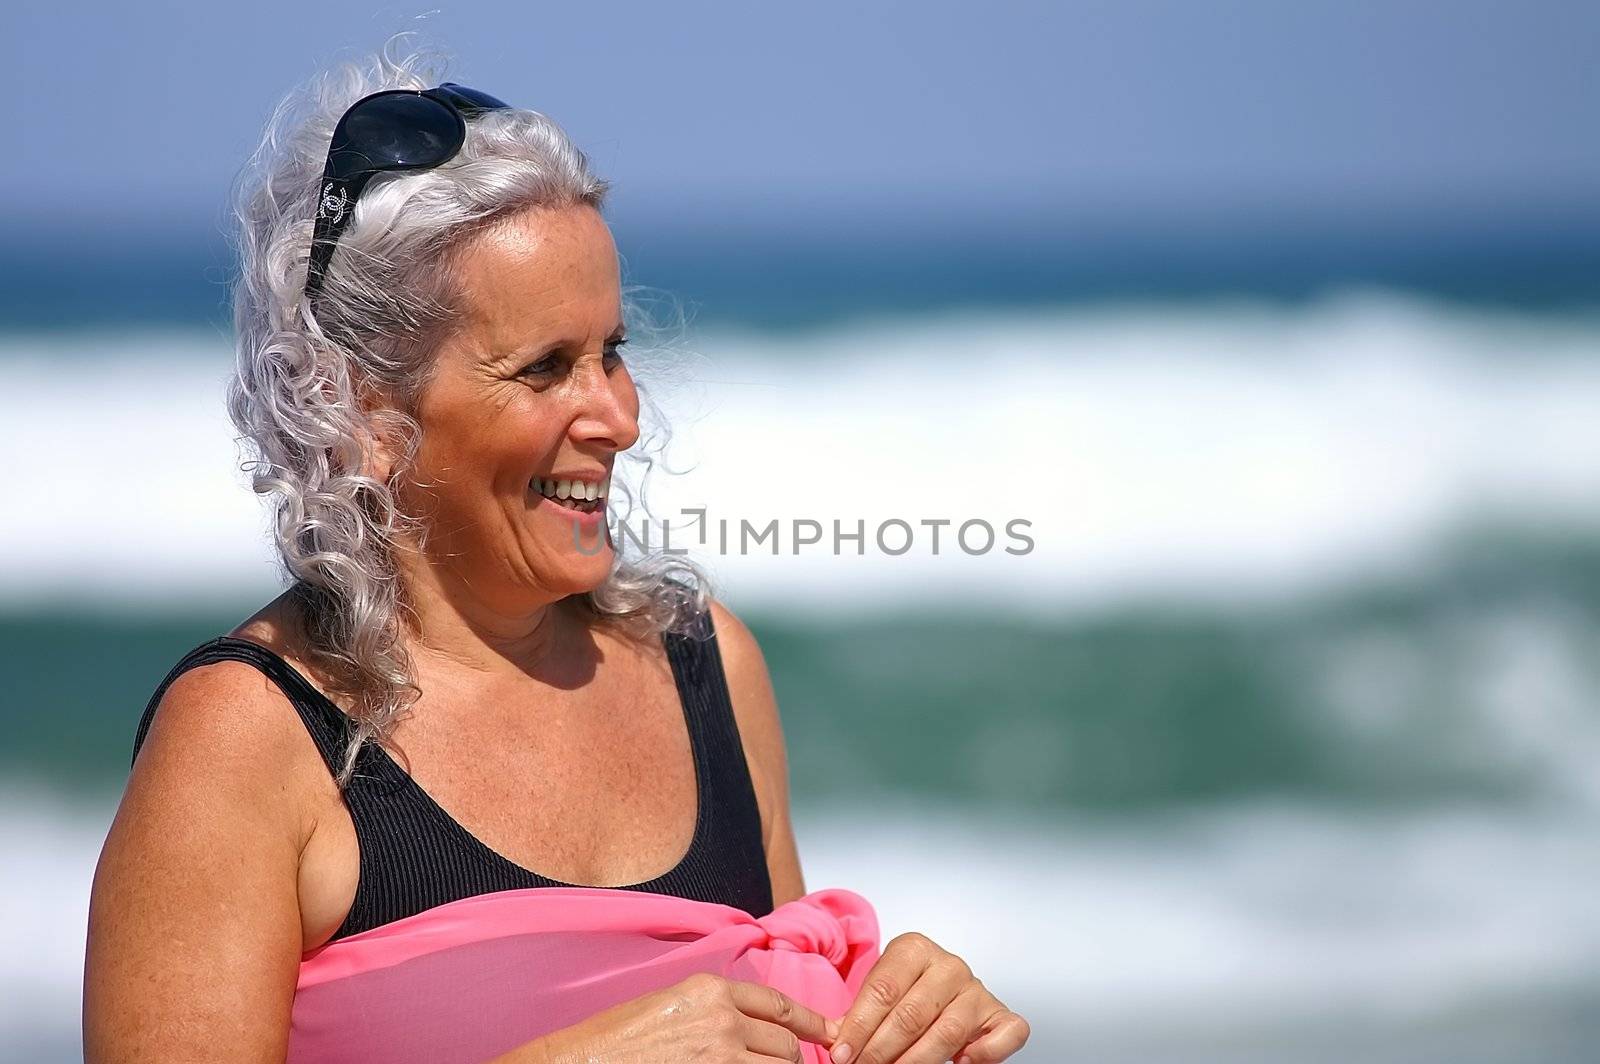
582 496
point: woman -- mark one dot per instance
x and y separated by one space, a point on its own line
326 845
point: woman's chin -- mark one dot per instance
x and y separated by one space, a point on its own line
580 555
583 575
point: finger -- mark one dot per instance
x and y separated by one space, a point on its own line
774 1006
752 1057
770 1040
900 964
1004 1034
950 1033
921 1010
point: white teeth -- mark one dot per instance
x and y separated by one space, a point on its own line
576 490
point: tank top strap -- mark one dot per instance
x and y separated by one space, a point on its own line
691 649
328 727
729 792
696 663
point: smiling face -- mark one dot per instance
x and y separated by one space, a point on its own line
529 396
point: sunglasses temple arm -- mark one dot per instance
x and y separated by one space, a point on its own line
335 204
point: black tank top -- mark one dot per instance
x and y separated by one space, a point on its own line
415 856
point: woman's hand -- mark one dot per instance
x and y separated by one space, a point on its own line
705 1019
921 1005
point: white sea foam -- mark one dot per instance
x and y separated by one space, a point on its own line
1268 933
1209 451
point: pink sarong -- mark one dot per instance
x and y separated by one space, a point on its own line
471 979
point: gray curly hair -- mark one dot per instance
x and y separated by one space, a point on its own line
304 373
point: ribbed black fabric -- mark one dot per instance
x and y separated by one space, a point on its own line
414 855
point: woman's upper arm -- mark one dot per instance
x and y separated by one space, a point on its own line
761 731
194 935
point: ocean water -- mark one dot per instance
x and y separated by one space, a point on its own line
1277 744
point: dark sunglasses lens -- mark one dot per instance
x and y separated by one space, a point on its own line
470 99
395 132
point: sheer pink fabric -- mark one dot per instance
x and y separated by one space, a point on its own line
471 979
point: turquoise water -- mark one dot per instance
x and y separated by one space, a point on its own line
773 273
1136 709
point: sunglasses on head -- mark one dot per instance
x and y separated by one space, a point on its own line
392 130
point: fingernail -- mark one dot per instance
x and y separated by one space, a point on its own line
833 1028
841 1053
963 1059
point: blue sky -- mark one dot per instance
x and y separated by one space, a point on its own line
1124 107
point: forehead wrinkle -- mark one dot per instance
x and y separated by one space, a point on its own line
545 337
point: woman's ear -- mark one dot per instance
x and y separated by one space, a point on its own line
377 445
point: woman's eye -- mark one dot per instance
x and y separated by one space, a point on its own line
551 364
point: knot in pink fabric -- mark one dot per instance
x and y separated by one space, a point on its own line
820 923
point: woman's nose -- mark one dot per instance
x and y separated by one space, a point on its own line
609 412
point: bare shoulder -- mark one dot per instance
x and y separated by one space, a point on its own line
226 755
749 681
226 763
224 731
221 724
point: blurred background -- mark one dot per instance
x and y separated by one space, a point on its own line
1279 323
